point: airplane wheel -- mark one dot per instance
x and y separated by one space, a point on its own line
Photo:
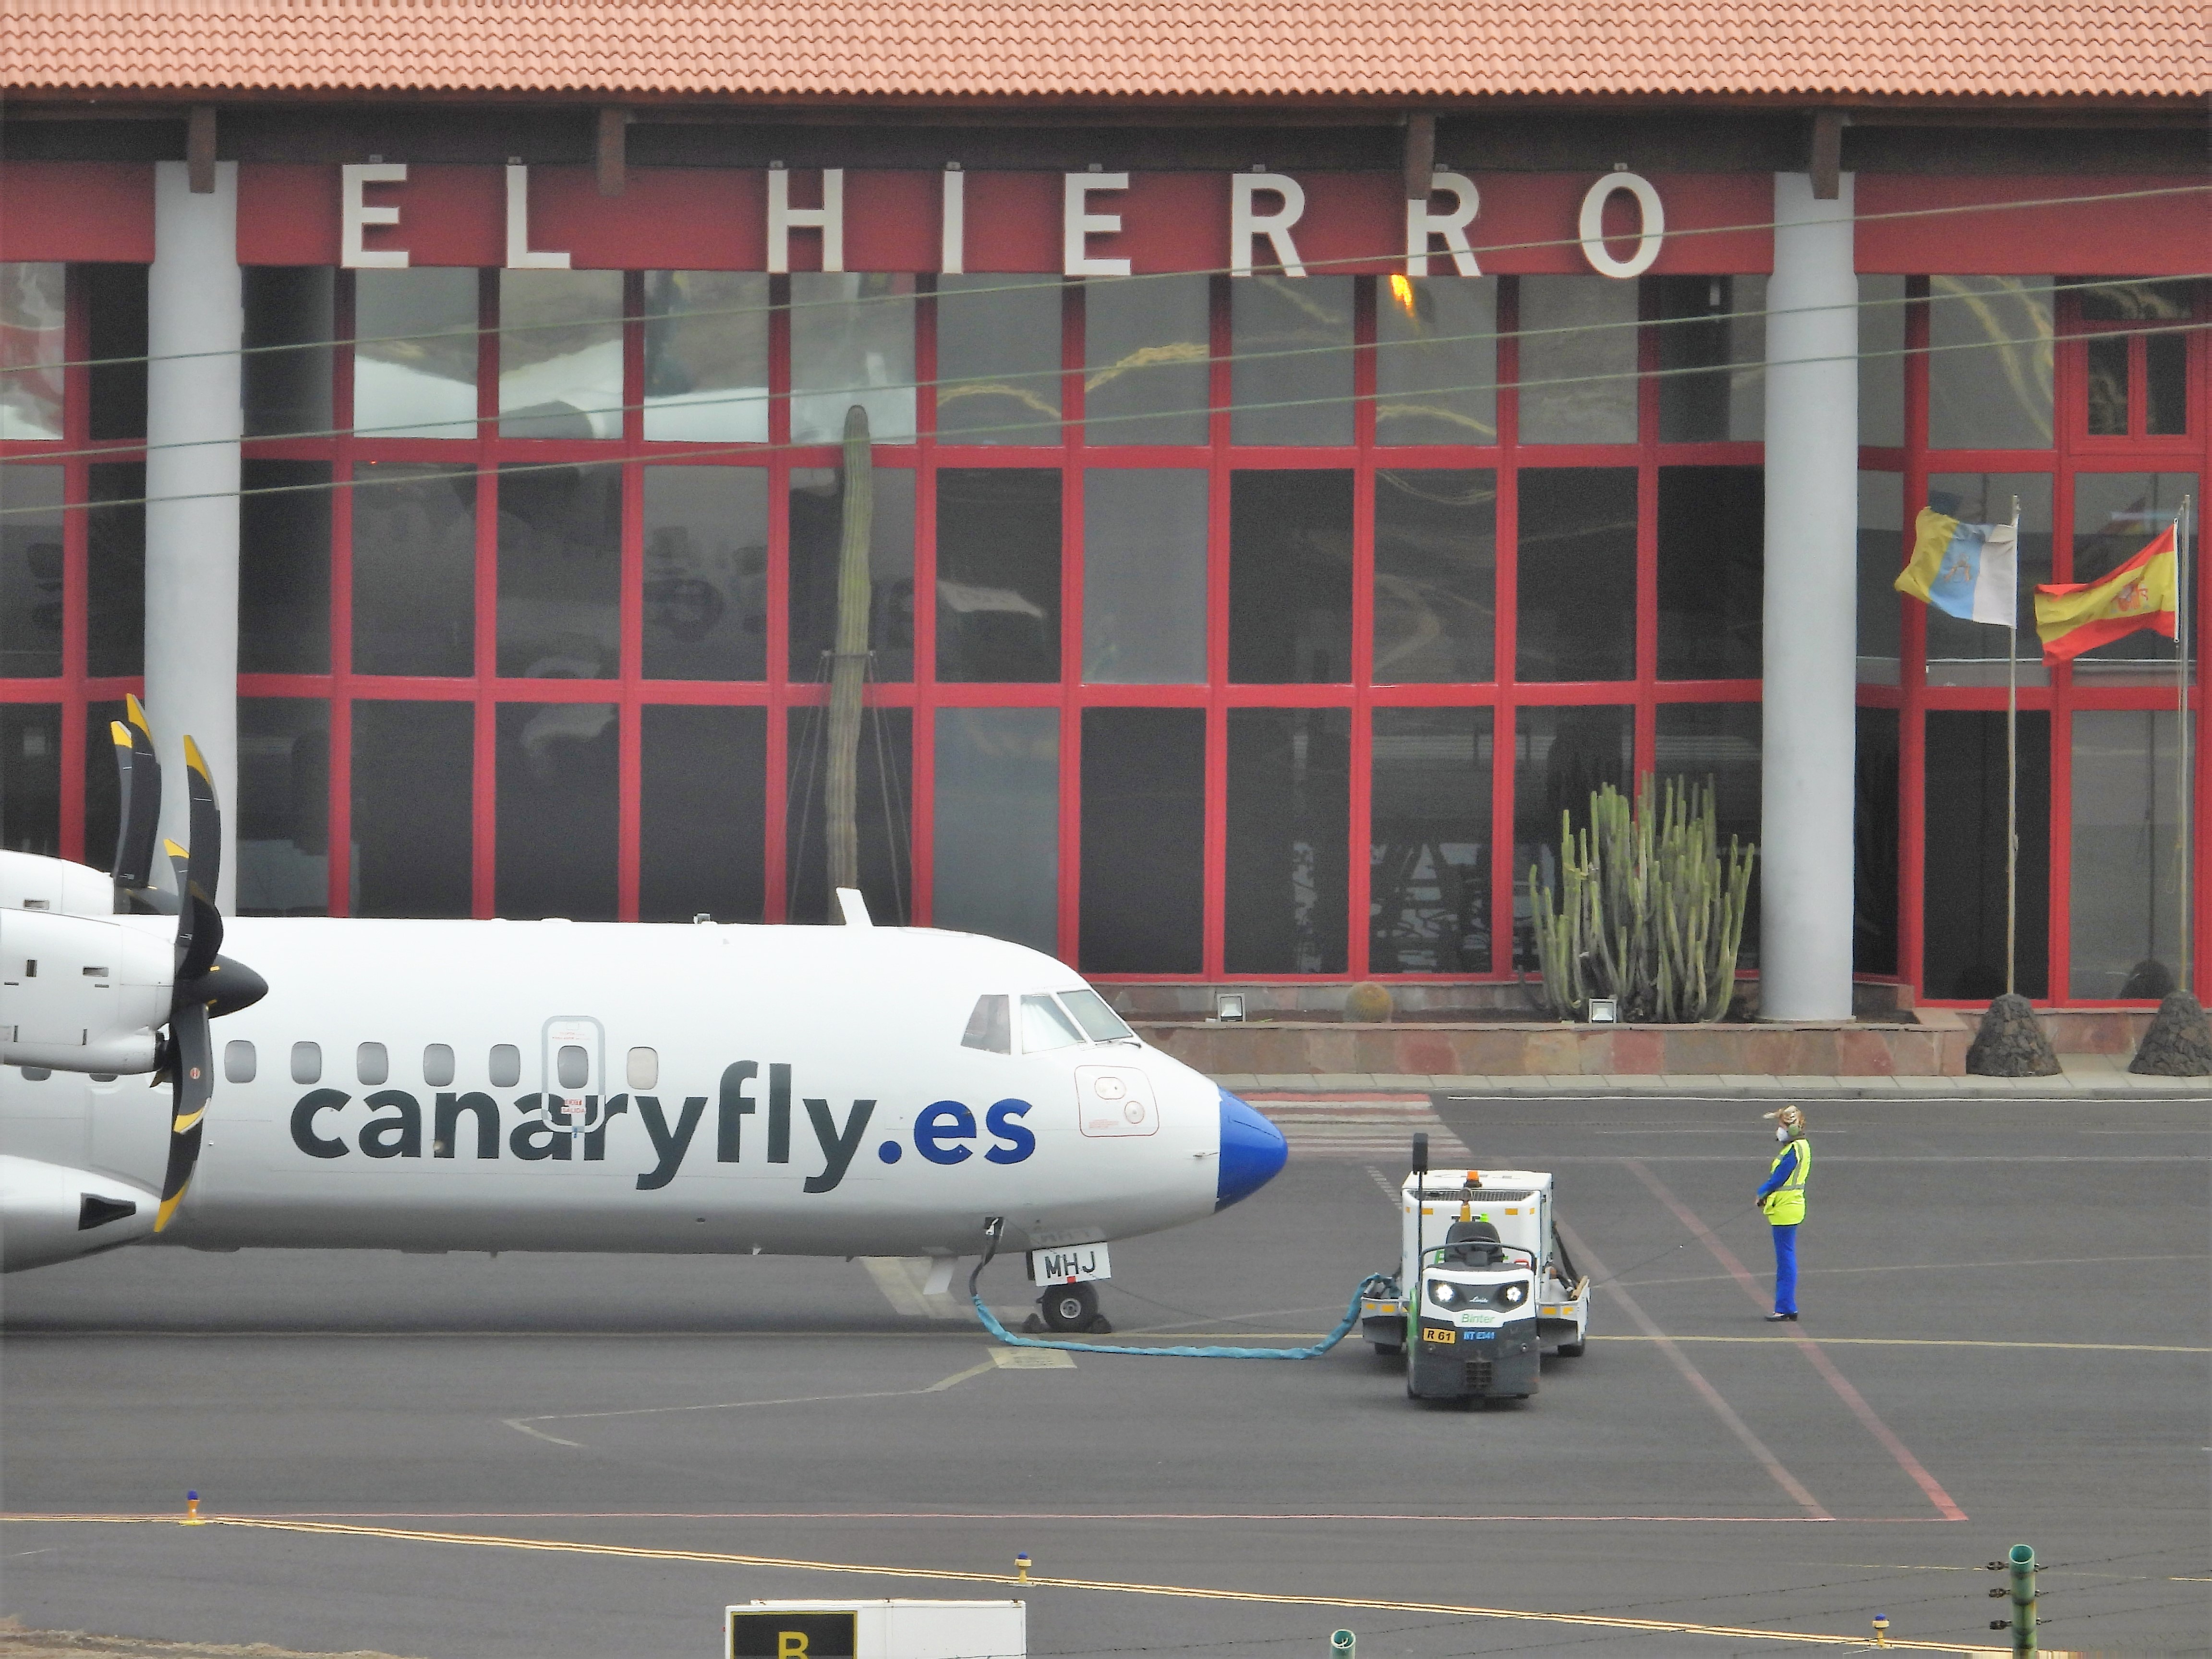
1070 1307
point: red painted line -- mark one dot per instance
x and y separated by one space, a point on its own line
1333 1097
1812 1352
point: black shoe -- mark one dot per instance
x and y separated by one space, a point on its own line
1778 1318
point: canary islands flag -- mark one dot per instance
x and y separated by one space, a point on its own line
2144 592
1969 570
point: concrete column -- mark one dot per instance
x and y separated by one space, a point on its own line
1812 607
196 321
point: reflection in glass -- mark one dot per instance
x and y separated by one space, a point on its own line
412 835
1144 576
559 354
1436 359
414 568
702 813
414 366
1712 359
2126 907
880 820
2115 515
1560 757
283 807
1719 743
998 360
1711 572
284 567
1577 604
31 317
31 571
1146 345
1290 811
115 307
1144 840
851 341
1881 554
706 573
31 779
556 769
1291 374
1882 361
998 573
1989 362
1963 905
1289 577
560 571
1961 653
706 356
1577 360
115 561
1436 576
817 507
1875 836
997 825
1429 842
2107 390
289 325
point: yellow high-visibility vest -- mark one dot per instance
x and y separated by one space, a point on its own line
1785 1205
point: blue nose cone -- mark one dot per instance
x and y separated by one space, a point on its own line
1253 1151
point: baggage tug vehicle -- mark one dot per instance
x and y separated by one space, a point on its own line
1496 1288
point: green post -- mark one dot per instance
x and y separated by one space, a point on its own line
2022 1562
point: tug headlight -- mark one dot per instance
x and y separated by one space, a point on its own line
1512 1296
1445 1294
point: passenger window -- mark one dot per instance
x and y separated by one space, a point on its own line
571 1068
988 1027
1045 1024
506 1065
1098 1020
438 1065
237 1063
306 1062
644 1069
371 1064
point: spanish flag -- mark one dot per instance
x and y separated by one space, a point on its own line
2144 592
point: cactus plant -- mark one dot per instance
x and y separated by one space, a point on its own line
1645 908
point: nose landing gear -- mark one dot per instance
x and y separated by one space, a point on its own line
1068 1307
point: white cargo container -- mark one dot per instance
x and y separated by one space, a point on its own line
876 1630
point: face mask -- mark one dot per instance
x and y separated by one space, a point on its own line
1781 1133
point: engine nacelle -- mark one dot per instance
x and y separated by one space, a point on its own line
81 989
50 1214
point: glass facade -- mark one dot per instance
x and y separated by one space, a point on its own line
1258 627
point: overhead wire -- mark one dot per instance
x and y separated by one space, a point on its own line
1023 282
680 451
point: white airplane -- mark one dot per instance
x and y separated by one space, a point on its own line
550 1085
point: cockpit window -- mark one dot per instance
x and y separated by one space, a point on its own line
990 1027
1046 1024
1098 1020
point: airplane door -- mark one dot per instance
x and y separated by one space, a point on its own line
574 1070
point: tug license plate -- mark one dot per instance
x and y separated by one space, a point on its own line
1070 1265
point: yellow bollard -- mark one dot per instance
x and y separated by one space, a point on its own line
1881 1630
1022 1565
192 1509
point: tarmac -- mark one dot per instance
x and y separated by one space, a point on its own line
2007 1339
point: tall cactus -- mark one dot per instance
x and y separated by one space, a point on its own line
1646 908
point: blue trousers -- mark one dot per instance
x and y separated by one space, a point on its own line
1786 1269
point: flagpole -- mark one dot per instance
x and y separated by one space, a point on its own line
2181 678
2012 767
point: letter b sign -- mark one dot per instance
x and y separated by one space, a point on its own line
792 1634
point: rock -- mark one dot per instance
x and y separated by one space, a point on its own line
2178 1042
1367 1004
2011 1043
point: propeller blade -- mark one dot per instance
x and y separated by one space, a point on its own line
138 819
206 821
192 1083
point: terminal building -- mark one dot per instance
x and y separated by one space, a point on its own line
1310 447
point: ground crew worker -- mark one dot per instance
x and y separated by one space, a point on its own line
1781 1199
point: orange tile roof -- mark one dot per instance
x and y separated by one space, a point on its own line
1088 49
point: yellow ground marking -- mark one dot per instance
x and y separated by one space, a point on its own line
1183 1592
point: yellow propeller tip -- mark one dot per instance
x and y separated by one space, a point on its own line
135 711
174 851
121 733
168 1209
194 759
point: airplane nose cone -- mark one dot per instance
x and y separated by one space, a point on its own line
1253 1151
